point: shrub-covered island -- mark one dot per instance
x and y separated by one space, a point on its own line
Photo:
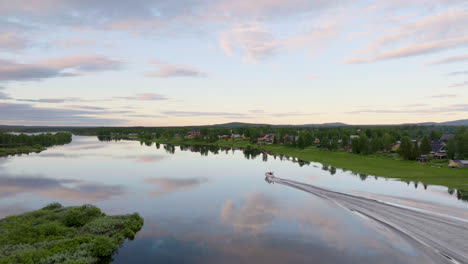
72 235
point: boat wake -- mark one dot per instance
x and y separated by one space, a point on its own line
447 235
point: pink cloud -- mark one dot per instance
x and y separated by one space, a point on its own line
75 42
270 8
166 70
144 97
414 50
83 63
451 59
251 40
62 66
10 42
430 34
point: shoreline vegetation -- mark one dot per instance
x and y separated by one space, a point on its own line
72 235
21 150
383 151
386 166
13 144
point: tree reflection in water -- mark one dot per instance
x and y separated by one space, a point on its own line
252 153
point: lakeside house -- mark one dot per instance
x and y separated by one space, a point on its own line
438 149
193 133
446 137
422 158
287 139
236 136
462 164
440 155
437 146
267 138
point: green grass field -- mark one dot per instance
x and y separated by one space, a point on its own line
432 173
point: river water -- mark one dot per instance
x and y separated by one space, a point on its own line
214 206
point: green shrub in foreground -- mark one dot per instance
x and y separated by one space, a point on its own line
56 234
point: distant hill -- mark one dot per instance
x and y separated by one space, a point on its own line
240 124
237 124
335 124
461 122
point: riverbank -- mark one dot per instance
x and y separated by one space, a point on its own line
14 143
403 170
56 234
20 150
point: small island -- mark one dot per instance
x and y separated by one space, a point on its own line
57 234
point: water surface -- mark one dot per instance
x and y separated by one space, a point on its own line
203 206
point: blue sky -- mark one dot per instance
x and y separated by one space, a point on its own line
193 62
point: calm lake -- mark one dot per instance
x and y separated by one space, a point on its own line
203 206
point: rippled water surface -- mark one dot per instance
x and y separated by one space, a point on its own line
215 206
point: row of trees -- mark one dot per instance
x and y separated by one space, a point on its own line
8 140
395 132
457 147
364 140
411 150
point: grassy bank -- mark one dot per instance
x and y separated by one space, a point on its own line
20 150
56 234
404 170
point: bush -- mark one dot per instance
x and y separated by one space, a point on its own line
103 247
51 229
79 216
72 235
52 206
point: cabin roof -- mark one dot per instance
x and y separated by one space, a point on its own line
447 136
437 145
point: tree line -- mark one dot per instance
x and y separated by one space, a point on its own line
414 140
8 140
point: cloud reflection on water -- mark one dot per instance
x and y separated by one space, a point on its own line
170 185
62 189
322 225
146 158
257 212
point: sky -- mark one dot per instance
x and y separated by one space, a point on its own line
198 62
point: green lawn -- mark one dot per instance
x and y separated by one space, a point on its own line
379 165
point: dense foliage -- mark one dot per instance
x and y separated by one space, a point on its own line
365 140
457 147
56 234
8 140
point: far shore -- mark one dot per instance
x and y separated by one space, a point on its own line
404 170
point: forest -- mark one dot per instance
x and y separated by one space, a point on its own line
10 140
408 141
